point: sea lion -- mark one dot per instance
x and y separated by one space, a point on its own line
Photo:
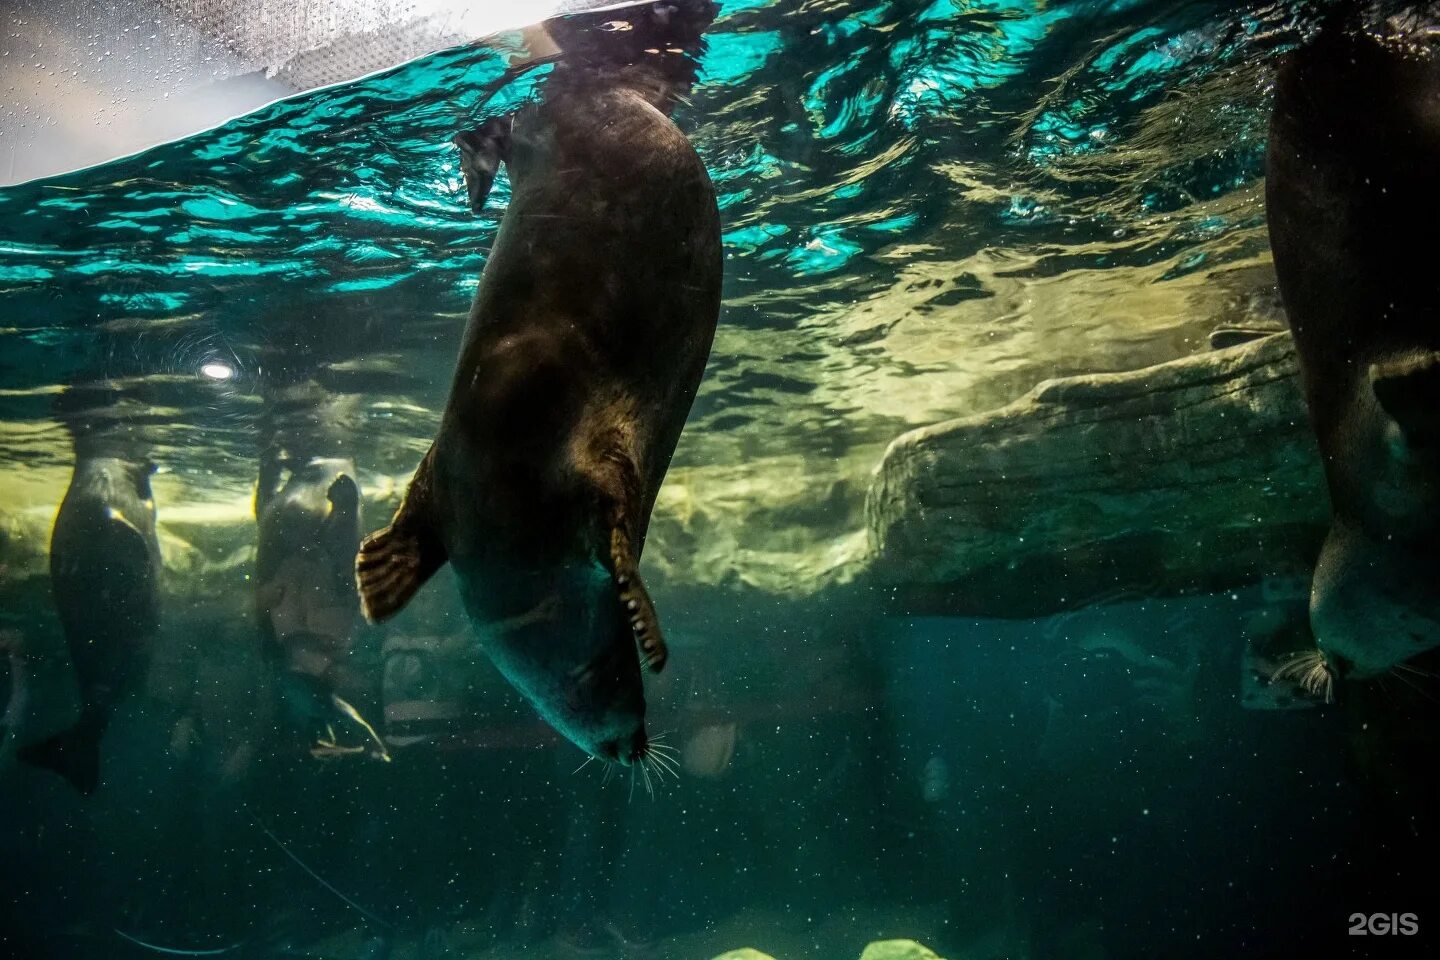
305 598
1353 174
105 574
585 346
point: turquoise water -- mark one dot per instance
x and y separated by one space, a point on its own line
927 209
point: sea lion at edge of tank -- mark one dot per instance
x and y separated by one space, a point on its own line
585 346
1352 190
105 574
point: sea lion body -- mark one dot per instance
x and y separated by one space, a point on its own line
585 346
1353 183
105 575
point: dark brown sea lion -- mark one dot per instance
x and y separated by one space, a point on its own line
1353 194
585 346
105 574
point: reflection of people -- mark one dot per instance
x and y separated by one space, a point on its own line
307 509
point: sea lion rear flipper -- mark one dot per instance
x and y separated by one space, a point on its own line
481 152
395 562
1409 391
635 600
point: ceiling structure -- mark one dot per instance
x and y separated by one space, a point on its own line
83 83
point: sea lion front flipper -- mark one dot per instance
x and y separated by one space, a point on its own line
481 152
395 562
1409 391
635 600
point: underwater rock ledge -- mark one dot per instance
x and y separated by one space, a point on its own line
1199 474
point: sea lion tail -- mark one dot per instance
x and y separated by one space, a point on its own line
74 754
392 565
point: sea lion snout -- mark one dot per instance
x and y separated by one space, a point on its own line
1373 604
625 750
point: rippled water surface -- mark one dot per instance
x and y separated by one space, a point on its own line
927 208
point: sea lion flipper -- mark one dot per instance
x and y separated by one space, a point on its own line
1409 391
481 152
635 601
395 562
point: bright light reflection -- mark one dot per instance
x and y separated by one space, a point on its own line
484 19
216 370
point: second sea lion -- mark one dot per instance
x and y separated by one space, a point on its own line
105 573
1353 171
585 346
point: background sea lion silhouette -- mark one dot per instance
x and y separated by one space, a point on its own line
1353 196
585 346
105 574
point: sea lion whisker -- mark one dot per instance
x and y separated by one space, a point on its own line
1309 670
645 772
631 797
658 752
583 765
1297 665
664 749
1318 681
1409 682
663 763
669 763
1416 671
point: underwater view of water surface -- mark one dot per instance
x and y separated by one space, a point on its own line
980 576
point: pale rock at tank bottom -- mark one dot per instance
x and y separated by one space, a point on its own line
898 950
744 953
1195 475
